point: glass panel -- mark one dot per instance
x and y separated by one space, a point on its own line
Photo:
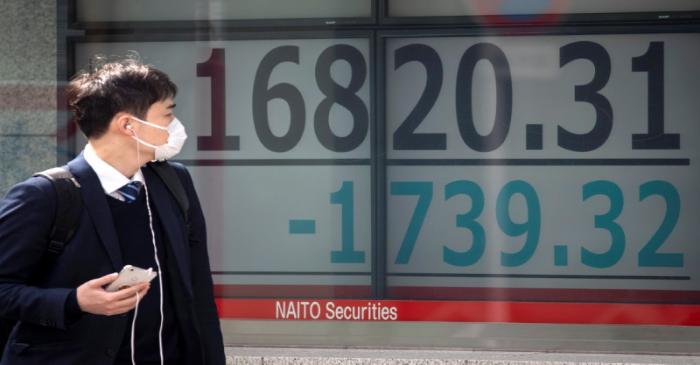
530 179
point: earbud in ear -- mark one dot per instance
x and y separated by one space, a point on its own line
129 127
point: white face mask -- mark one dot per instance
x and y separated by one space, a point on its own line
176 139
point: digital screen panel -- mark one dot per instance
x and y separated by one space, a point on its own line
448 8
519 169
279 149
555 167
186 10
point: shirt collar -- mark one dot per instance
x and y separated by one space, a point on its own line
110 178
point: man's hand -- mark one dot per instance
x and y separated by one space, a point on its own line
93 298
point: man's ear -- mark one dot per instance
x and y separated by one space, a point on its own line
122 123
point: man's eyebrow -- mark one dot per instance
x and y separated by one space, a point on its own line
171 106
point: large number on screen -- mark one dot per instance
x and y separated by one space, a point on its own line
405 136
335 94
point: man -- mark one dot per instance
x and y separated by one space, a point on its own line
65 315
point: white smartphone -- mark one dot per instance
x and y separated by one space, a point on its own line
130 276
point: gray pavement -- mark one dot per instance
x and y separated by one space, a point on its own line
327 356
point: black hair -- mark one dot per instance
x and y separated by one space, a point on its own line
128 85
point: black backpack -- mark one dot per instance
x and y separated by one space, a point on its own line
69 205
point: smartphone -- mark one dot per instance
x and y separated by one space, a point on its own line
130 276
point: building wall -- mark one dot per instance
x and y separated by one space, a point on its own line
27 89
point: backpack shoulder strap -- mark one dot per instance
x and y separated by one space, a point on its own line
168 175
66 218
68 207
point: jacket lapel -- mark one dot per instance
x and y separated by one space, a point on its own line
95 201
166 209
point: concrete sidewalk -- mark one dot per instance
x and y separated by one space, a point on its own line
296 356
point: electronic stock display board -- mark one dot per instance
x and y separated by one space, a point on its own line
454 167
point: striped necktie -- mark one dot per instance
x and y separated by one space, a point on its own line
130 191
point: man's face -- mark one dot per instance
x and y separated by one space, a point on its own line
160 113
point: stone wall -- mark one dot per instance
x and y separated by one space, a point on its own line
27 89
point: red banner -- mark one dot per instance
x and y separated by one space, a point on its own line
460 311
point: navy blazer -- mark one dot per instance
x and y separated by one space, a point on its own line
43 335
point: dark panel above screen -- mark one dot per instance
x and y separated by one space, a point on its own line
216 10
516 11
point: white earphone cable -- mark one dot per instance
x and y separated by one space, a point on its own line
160 274
133 326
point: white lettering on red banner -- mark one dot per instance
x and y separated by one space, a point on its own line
312 310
